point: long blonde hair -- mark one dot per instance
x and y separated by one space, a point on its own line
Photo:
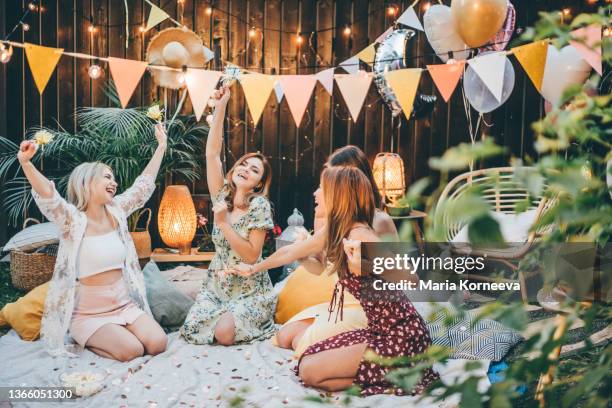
260 189
79 192
348 200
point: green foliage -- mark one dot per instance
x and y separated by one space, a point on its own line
121 138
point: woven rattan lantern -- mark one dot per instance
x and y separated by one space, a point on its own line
177 218
389 175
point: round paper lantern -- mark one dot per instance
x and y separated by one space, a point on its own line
389 175
177 218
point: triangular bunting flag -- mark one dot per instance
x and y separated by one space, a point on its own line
42 62
533 59
409 18
126 75
588 44
278 91
351 65
354 88
384 35
404 83
446 77
367 54
156 16
490 68
208 54
326 78
257 88
298 90
201 84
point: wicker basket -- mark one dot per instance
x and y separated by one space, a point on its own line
29 270
142 239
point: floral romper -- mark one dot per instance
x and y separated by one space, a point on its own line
394 329
249 300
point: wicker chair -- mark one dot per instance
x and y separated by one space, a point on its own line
502 191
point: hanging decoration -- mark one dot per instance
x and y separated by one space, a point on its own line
278 92
257 89
326 78
563 68
351 65
409 18
500 40
201 85
477 21
441 34
42 62
298 90
446 77
354 88
126 76
587 41
532 58
477 84
404 84
490 68
368 54
156 16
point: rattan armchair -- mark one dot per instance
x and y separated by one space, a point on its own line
503 192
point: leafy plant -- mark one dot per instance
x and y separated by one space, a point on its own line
121 138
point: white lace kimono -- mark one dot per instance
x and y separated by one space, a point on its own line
59 303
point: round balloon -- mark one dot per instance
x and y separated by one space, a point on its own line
477 21
563 68
500 41
479 95
441 34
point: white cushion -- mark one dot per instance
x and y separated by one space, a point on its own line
33 237
514 227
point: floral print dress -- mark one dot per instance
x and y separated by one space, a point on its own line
394 329
249 300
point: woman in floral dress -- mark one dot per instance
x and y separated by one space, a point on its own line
230 309
395 328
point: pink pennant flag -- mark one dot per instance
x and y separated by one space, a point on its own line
298 90
446 77
587 41
201 84
326 78
126 75
354 88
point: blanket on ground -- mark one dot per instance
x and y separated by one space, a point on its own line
188 375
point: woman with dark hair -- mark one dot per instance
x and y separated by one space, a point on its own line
229 308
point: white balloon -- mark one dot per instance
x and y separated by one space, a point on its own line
479 95
441 33
563 68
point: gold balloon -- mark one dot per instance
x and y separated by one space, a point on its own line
477 21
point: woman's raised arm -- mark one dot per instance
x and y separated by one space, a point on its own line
214 144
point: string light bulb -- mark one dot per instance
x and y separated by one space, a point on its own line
91 28
182 77
95 71
426 6
299 39
142 29
391 10
208 11
566 11
25 26
347 30
252 32
5 53
32 6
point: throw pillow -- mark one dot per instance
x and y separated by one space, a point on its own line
34 236
168 305
24 315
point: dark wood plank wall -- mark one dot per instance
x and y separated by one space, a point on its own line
296 154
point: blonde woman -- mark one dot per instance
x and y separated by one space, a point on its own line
231 309
97 293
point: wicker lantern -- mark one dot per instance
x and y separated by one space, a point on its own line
177 218
389 175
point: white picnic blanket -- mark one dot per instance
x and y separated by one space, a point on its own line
186 375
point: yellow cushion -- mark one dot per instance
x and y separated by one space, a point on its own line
324 327
24 315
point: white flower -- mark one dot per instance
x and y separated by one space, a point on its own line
43 137
155 113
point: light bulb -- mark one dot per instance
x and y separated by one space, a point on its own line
32 6
5 56
252 32
142 29
391 11
94 71
566 11
426 6
347 30
299 39
208 11
25 26
91 28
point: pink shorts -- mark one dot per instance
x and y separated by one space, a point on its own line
96 306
